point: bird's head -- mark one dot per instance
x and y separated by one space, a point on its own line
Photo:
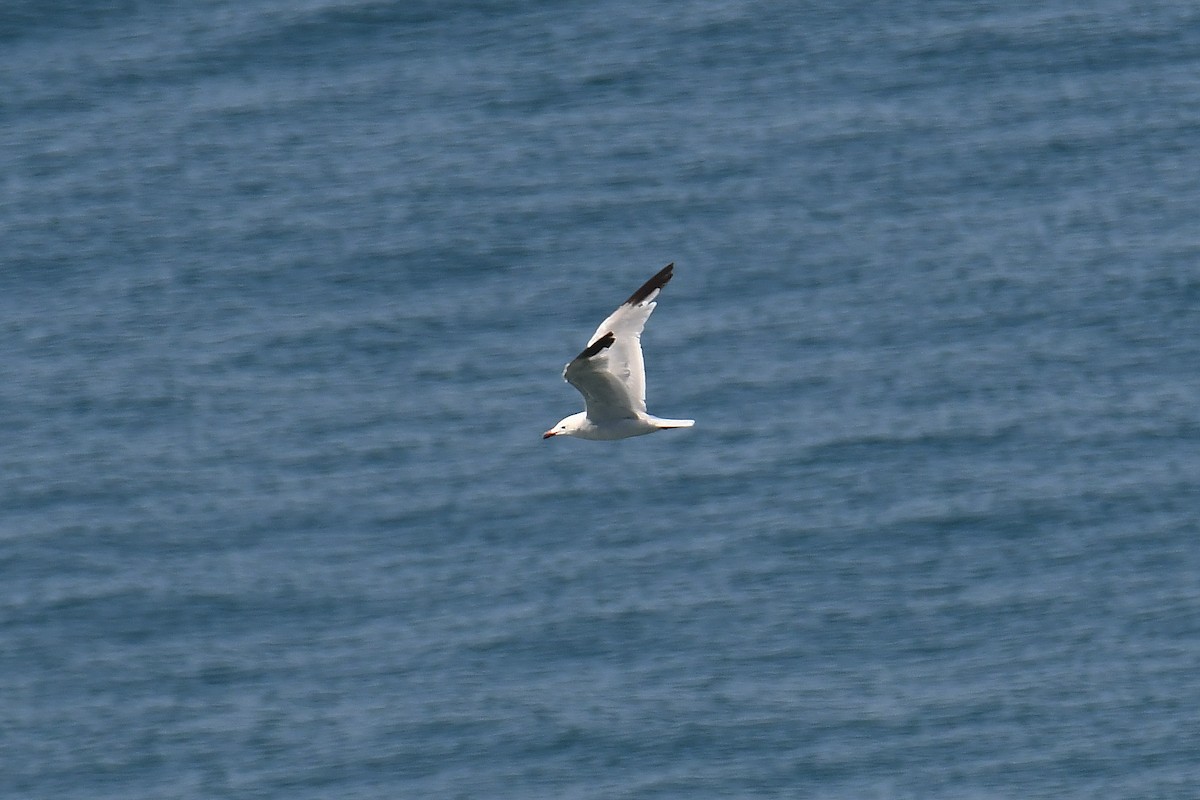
567 426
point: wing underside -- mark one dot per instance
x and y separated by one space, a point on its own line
606 396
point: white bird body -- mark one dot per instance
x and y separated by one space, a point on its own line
611 375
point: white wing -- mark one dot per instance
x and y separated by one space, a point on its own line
610 372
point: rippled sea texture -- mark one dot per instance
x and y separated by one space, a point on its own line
285 290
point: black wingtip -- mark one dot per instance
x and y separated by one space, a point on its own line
657 282
595 347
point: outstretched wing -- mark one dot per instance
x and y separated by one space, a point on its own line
623 358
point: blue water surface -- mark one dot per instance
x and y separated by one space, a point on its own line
285 290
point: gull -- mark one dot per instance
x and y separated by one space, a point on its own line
611 376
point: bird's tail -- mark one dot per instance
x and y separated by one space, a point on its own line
674 423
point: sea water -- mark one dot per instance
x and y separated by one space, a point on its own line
285 293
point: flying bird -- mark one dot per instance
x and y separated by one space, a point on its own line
611 376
